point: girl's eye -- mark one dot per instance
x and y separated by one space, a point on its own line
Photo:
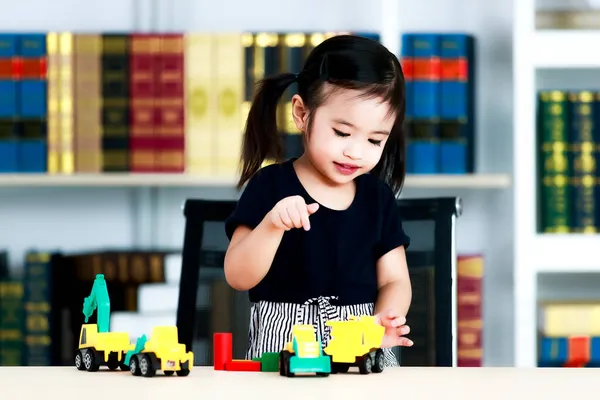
340 134
375 142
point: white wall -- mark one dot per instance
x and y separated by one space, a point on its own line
73 219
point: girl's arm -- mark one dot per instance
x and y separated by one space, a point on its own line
393 281
250 254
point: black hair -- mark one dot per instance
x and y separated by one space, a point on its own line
344 61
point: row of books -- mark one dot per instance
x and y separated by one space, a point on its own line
569 334
568 137
440 106
175 103
40 304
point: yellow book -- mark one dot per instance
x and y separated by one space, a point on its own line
201 104
65 85
230 91
570 319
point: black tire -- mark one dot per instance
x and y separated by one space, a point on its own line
134 366
184 369
112 362
365 365
379 363
339 368
146 367
284 364
89 361
169 373
79 361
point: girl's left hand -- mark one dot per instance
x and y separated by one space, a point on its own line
395 328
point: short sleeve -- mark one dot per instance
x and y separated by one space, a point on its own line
392 234
252 206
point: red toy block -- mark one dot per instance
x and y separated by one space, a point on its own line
243 365
222 350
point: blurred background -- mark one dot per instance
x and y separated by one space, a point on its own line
113 113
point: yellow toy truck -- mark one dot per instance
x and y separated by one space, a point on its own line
162 352
356 342
303 354
97 345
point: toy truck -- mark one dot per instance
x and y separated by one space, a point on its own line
356 342
303 354
98 346
161 352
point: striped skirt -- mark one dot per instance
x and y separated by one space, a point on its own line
271 323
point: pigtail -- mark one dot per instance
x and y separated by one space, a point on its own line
261 136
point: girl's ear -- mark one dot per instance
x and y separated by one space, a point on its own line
299 112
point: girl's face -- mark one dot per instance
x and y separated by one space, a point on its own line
348 134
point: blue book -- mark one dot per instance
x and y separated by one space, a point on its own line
8 104
457 105
422 51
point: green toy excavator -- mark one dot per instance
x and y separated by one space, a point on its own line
97 345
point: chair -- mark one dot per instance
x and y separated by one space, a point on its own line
207 304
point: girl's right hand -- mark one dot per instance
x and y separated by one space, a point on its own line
292 212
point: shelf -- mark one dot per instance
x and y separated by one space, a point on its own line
565 49
566 253
475 181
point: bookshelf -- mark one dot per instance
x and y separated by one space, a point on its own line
535 254
144 209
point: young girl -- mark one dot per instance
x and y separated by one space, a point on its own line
320 237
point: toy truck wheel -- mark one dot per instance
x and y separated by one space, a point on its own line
379 363
284 364
112 363
339 368
79 361
89 361
184 370
134 366
365 365
146 367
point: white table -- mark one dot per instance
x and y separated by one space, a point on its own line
203 383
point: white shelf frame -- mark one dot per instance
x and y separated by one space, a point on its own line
130 180
536 253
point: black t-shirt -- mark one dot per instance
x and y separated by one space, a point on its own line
338 255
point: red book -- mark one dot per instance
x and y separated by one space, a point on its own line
144 109
171 84
469 312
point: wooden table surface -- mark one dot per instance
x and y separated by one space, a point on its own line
203 383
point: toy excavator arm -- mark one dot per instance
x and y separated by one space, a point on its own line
98 299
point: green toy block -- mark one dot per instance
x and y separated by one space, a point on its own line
269 362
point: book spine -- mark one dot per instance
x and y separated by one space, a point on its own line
201 109
32 93
424 125
171 102
469 311
11 323
115 102
230 91
38 307
583 163
457 106
144 110
53 103
555 200
66 114
9 160
86 91
406 61
292 61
